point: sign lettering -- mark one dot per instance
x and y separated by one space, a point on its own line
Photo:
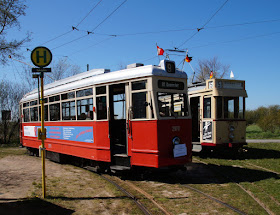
174 85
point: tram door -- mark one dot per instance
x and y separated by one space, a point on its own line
117 119
195 109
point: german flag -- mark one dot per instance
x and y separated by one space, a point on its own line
211 74
188 59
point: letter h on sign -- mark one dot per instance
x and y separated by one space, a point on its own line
38 56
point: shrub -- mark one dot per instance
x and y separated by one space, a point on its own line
269 119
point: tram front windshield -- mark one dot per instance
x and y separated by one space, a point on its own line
230 107
172 104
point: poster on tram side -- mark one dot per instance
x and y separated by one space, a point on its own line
207 130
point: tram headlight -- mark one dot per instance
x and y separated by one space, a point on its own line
231 136
231 128
176 140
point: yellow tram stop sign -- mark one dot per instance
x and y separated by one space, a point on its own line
41 56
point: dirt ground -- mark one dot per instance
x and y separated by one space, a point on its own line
19 172
70 190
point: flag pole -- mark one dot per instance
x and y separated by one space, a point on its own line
184 60
157 53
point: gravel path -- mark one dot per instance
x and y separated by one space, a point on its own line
263 141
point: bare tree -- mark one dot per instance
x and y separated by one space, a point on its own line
206 66
10 11
60 69
10 95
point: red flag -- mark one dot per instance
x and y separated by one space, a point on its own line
160 51
188 59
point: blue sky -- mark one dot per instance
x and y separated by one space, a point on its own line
251 50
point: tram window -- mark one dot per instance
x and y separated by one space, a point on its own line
54 98
207 107
139 103
119 106
100 90
139 85
26 115
164 104
46 113
219 107
33 103
55 112
84 109
86 92
101 105
68 110
231 107
34 114
70 95
26 104
172 104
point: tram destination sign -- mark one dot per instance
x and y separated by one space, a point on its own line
173 85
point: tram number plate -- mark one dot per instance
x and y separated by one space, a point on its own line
179 150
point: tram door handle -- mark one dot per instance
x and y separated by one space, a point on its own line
109 119
128 123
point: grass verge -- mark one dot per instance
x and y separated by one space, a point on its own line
255 132
262 183
6 150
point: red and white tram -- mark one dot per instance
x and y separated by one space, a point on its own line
136 117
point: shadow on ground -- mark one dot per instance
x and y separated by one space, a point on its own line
249 153
33 206
198 173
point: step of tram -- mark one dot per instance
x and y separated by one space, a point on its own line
119 168
121 160
196 147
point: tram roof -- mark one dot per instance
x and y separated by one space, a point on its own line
103 76
219 87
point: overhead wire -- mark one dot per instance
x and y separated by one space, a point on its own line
244 23
182 29
92 31
198 29
91 46
69 42
73 28
88 13
109 15
151 32
237 40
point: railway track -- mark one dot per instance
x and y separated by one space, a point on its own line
240 186
165 211
152 199
130 195
215 199
259 167
116 181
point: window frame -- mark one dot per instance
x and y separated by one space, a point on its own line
147 90
205 111
95 102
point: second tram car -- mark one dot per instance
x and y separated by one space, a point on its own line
218 114
136 117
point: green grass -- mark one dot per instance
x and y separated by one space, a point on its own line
6 150
255 132
262 183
